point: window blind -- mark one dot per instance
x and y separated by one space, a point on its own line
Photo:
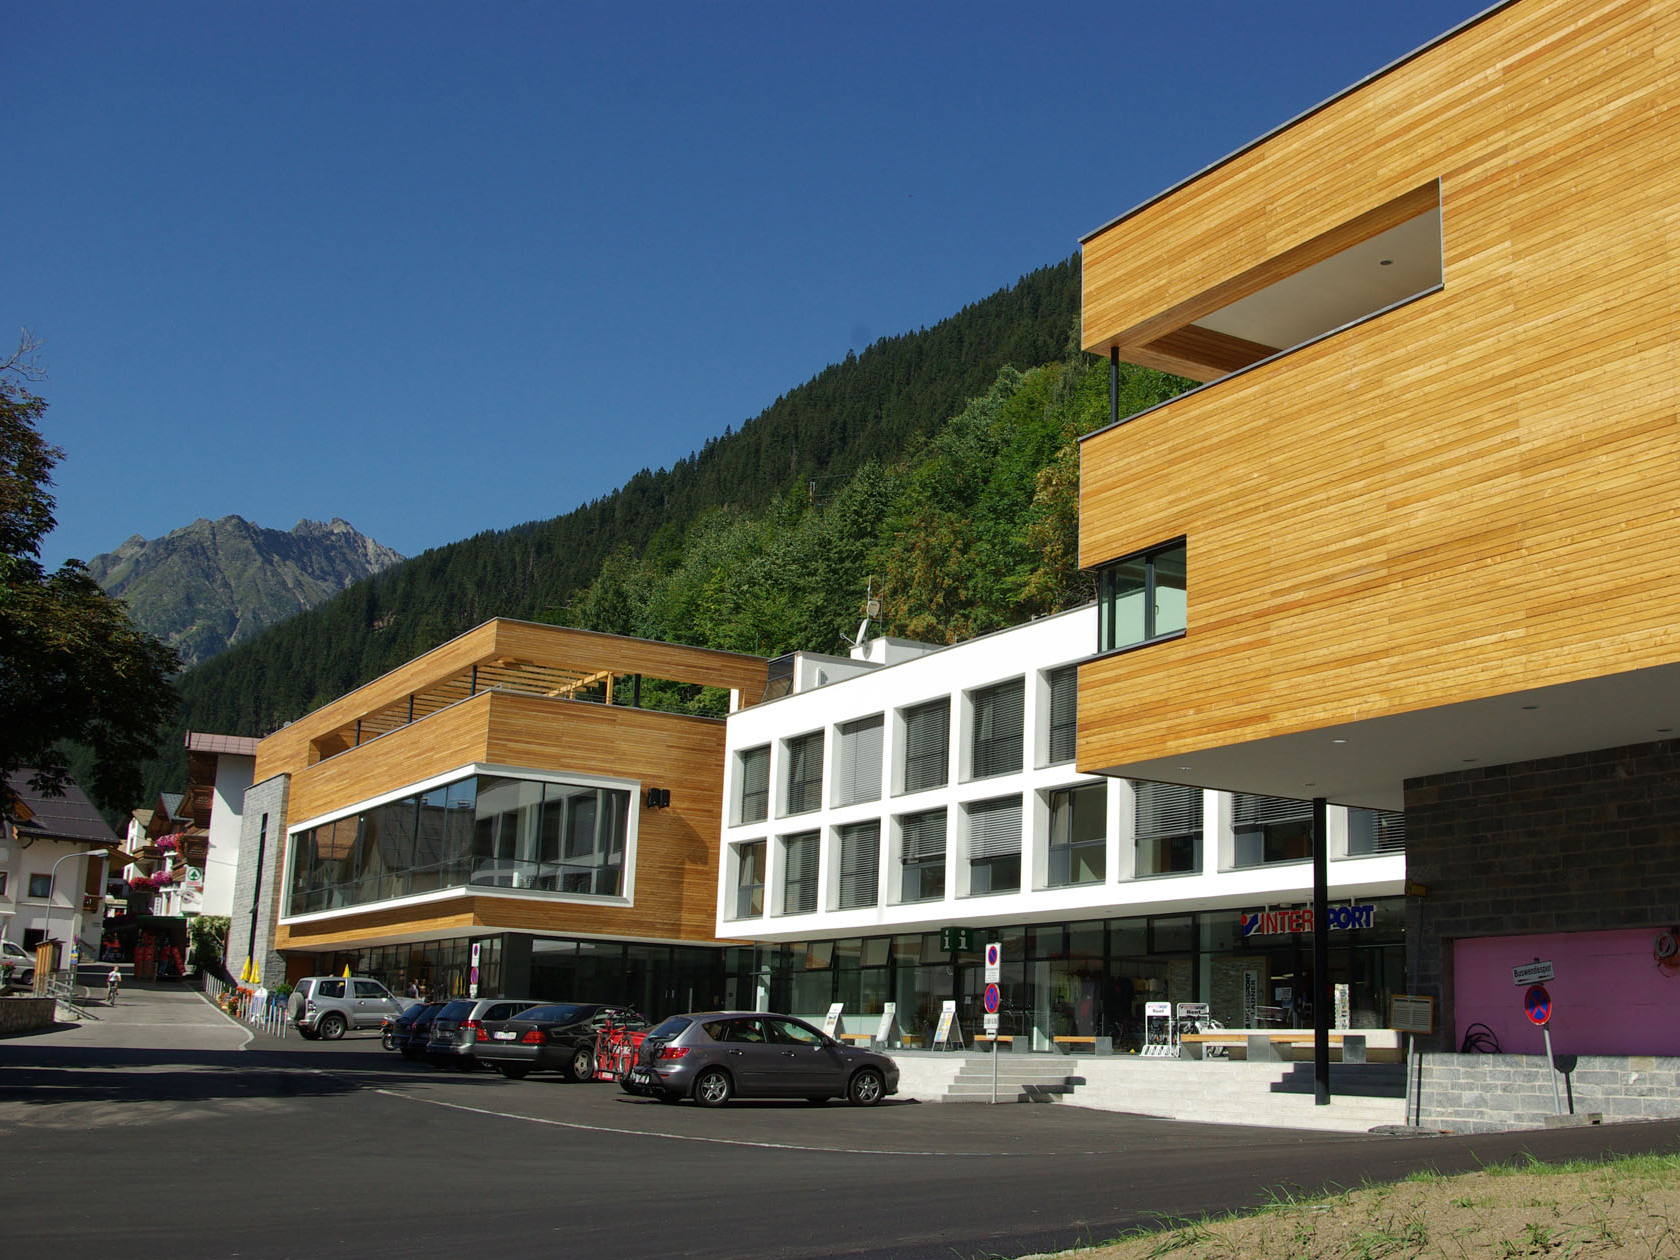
927 742
858 774
1064 714
923 836
799 873
1248 810
860 860
996 738
994 828
1165 809
755 784
804 776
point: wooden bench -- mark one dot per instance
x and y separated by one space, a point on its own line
857 1038
1099 1045
1262 1047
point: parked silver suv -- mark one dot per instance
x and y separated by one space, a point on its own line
327 1006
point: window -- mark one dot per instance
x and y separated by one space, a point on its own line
749 880
1142 597
804 774
1064 714
755 785
995 737
1078 835
994 846
799 873
1270 829
1169 829
5 876
857 774
40 886
1370 831
330 989
927 744
860 861
922 855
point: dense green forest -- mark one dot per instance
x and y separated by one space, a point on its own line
941 463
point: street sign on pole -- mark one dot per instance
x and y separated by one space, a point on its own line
994 963
1538 1003
992 1000
1536 972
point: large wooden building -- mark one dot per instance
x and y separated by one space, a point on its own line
509 810
1415 541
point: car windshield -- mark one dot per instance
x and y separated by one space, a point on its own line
669 1027
558 1013
455 1010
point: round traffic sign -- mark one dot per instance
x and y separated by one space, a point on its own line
994 954
992 1000
1538 1004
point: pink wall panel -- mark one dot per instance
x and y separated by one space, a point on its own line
1609 996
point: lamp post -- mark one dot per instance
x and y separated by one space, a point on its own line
52 883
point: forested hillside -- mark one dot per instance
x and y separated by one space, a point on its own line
942 462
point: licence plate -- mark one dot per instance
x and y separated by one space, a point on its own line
640 1076
502 1036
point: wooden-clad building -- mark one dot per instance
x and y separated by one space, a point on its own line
1413 542
524 808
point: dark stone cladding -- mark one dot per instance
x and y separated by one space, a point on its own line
1579 843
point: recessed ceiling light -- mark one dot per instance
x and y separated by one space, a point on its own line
1530 707
1664 730
1184 767
1311 783
1387 262
1338 741
1470 760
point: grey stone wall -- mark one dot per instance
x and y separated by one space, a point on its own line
26 1014
1486 1093
1582 843
256 880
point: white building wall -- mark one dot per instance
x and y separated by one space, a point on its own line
55 918
234 774
1026 652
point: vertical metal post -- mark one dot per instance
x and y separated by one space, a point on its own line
1551 1071
1114 384
1321 951
994 1068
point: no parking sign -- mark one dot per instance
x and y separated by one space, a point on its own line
1538 1003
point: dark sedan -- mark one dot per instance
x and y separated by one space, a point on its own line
411 1037
556 1038
750 1054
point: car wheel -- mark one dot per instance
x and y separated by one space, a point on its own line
332 1026
583 1064
867 1088
308 1034
386 1040
713 1088
515 1071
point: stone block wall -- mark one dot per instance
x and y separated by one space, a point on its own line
256 881
26 1014
1487 1093
1585 842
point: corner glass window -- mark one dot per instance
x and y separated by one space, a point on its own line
1142 597
995 738
754 769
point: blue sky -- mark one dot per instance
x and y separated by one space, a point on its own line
443 268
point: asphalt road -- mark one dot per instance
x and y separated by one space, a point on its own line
166 1130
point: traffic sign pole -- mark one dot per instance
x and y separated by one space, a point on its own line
1538 1003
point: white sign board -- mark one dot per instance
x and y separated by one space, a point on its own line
1157 1010
889 1017
1411 1014
947 1017
831 1024
991 1024
1536 972
994 963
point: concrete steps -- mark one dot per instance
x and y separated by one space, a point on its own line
1018 1080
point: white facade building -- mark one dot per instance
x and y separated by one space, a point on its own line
908 789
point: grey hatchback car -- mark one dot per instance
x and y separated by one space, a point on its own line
719 1055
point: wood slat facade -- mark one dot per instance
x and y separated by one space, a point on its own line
675 874
1468 495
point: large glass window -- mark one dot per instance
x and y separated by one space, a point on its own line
755 785
994 846
995 737
498 832
749 880
1169 829
860 864
804 774
1375 831
1142 597
1078 848
1064 714
927 745
922 855
799 873
857 775
1270 829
